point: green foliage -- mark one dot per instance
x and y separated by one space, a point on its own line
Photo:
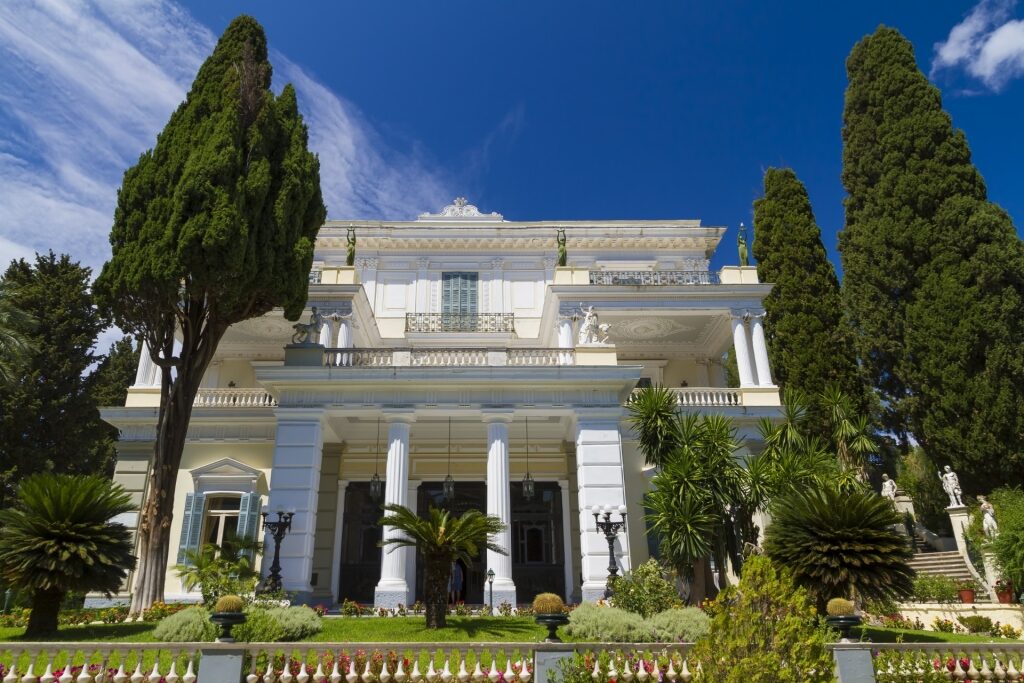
218 571
644 590
594 623
840 543
229 603
1008 546
548 603
260 626
764 631
808 345
297 623
976 624
680 625
59 538
213 226
933 272
934 588
13 345
49 421
190 625
839 607
917 477
441 540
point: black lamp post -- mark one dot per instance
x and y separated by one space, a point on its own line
490 586
528 484
376 486
448 487
277 531
610 530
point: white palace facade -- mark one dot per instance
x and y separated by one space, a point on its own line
456 348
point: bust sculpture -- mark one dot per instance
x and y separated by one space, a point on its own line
888 488
988 518
951 485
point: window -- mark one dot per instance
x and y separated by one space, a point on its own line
221 523
459 293
216 518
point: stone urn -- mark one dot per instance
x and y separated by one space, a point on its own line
549 611
841 616
227 614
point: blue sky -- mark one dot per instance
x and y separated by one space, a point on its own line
535 109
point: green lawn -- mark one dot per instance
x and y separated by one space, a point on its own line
893 635
414 630
113 633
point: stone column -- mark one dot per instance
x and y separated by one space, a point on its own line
392 588
336 548
344 339
739 342
566 339
499 505
295 486
148 374
764 375
600 481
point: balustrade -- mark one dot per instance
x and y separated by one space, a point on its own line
705 397
460 322
234 398
913 662
359 358
98 662
654 277
541 357
448 357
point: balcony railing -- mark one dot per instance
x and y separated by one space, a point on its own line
705 397
234 398
541 357
447 358
459 322
653 277
315 276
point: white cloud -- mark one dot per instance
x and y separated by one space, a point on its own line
86 85
988 44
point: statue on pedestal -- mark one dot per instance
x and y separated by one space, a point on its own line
560 240
592 332
350 249
741 244
951 485
889 488
306 333
988 519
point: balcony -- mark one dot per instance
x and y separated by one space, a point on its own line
654 277
234 398
315 277
459 322
450 358
724 397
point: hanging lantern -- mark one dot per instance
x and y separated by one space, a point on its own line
528 485
448 488
376 485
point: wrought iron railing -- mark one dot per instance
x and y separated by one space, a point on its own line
315 276
447 357
654 277
459 322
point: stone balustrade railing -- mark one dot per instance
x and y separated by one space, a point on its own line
914 662
447 357
234 398
654 277
706 397
99 662
541 357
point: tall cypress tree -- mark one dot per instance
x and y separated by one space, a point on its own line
213 226
807 344
932 280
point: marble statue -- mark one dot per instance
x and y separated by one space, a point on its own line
560 239
888 488
350 250
951 485
988 519
589 328
307 333
741 244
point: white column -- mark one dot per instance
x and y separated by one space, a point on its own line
599 476
294 486
566 339
336 548
148 374
392 588
764 375
566 541
345 339
739 343
499 505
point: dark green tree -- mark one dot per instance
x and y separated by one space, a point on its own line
213 226
48 415
808 345
933 273
13 324
60 538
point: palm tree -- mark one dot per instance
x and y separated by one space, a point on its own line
59 538
441 540
219 570
841 543
851 433
13 324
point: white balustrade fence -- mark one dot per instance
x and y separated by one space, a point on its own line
234 398
706 397
447 357
541 357
922 663
98 663
421 358
359 358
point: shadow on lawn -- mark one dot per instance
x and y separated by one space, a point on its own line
94 632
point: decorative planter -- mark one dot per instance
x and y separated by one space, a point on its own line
227 621
843 624
1006 596
552 622
966 596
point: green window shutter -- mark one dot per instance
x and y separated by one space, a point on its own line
191 524
459 293
249 515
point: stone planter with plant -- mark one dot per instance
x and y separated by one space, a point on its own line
549 611
228 613
966 588
1004 591
841 616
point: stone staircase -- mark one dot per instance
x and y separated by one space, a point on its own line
950 564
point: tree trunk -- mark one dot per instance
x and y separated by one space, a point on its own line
435 588
45 608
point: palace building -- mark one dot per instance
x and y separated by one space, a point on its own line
456 364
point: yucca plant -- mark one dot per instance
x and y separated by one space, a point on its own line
441 539
59 538
841 543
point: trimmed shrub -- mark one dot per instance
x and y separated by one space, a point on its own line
932 588
190 625
229 603
685 625
976 624
548 603
589 622
260 627
645 590
297 623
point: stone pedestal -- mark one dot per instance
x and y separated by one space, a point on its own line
959 517
304 355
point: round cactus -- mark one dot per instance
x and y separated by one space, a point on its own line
230 603
839 607
548 603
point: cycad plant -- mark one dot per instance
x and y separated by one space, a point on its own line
218 570
441 539
59 538
841 543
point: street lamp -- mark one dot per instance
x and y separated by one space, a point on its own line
610 530
490 585
277 530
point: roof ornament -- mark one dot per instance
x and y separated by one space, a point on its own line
460 208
